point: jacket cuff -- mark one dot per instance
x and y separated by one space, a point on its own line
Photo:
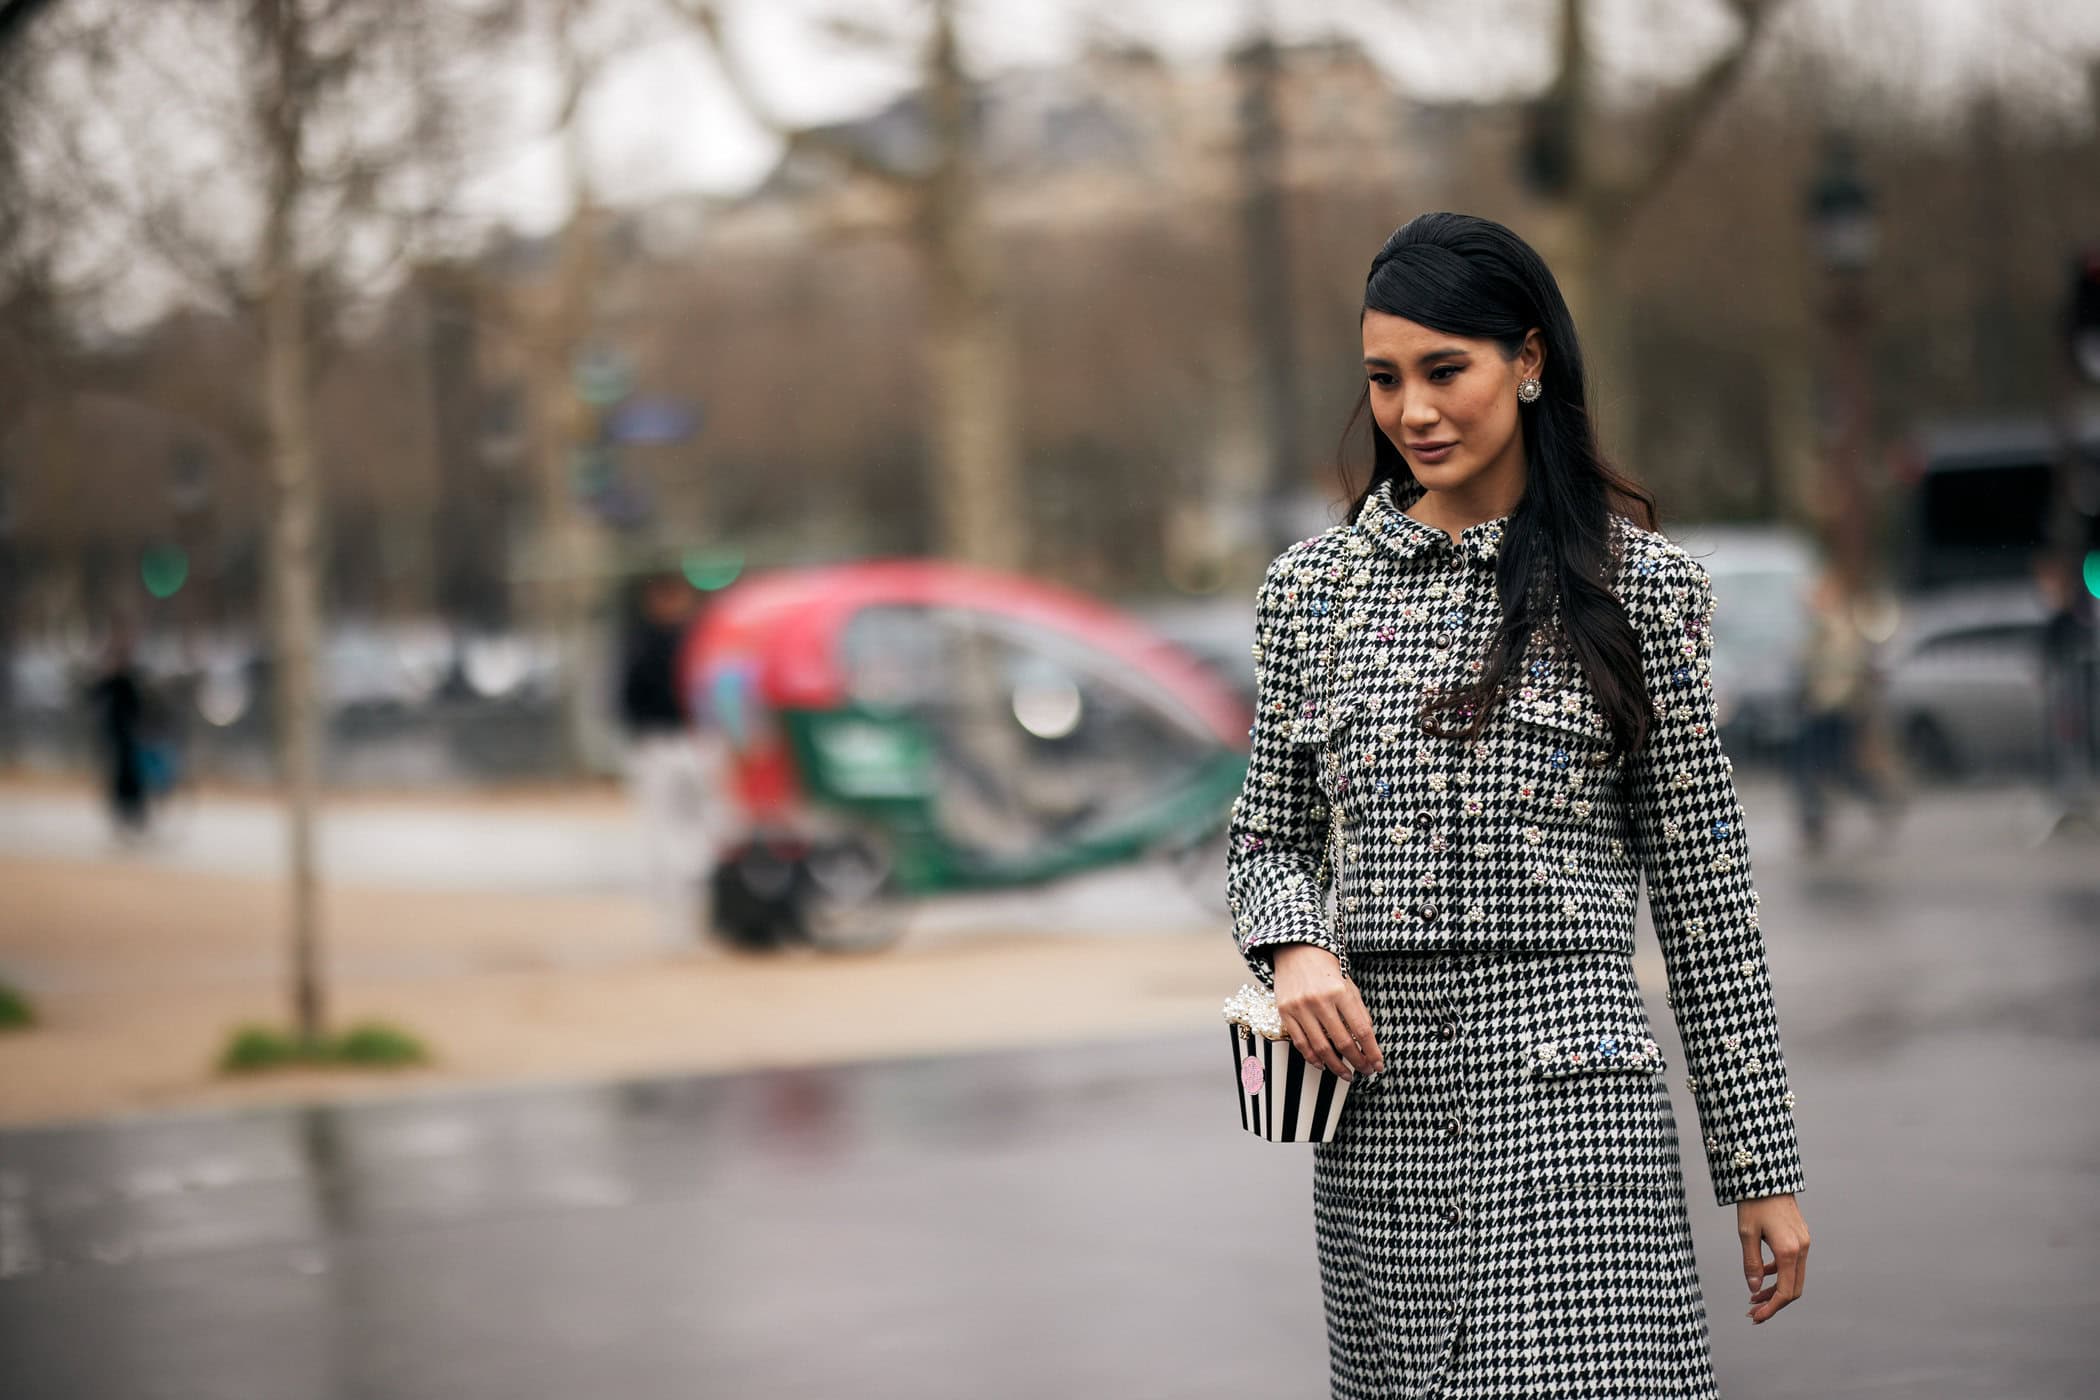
1736 1187
1259 940
1262 957
1755 1160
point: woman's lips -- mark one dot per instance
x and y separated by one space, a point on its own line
1432 453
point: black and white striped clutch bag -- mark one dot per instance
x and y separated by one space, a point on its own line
1284 1097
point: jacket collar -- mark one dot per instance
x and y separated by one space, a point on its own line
1385 521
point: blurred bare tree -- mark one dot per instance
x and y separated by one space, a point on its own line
15 16
555 328
1106 189
324 187
968 343
17 359
1596 181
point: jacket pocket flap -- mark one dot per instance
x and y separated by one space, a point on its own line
1570 711
1598 1118
1318 719
1608 1050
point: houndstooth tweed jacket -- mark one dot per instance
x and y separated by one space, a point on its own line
1530 836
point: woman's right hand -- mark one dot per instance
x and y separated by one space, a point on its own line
1322 1012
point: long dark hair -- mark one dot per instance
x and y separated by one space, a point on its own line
1472 277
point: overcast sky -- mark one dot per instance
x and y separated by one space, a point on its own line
153 132
661 120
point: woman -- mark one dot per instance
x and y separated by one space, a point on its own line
1484 711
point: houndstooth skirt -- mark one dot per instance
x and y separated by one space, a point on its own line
1502 1210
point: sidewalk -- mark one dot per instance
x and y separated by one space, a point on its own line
138 975
500 932
578 837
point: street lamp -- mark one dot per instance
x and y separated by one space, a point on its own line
1841 216
1841 207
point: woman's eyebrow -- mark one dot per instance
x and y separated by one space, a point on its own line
1449 352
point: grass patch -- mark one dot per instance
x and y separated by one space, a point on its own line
15 1011
376 1043
258 1047
252 1049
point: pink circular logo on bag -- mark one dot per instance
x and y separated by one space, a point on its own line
1250 1075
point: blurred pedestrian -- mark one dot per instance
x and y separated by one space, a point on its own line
1485 719
2071 687
1835 690
676 764
117 698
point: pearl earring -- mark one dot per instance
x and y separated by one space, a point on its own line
1529 390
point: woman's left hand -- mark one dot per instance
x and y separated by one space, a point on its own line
1773 1220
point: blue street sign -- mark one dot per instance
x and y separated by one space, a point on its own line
652 419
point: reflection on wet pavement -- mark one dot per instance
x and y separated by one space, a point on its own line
780 1233
1082 1220
179 1187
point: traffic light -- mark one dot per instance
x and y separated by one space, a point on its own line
2082 318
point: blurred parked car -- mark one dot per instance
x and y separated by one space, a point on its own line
1978 501
1965 680
1965 672
1761 576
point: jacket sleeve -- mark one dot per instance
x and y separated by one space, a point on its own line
1688 832
1279 823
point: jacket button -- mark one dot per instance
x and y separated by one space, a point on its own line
1453 1127
1425 914
1453 1214
1443 639
1448 1029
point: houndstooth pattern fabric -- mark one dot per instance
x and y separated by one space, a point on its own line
1497 1218
1531 836
1502 1211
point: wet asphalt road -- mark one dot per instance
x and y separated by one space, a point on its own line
1086 1221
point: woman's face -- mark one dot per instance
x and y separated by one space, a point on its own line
1448 402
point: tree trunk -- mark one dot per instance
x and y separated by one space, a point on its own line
1594 204
1605 322
1576 238
295 591
1266 250
976 436
977 464
570 548
570 554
